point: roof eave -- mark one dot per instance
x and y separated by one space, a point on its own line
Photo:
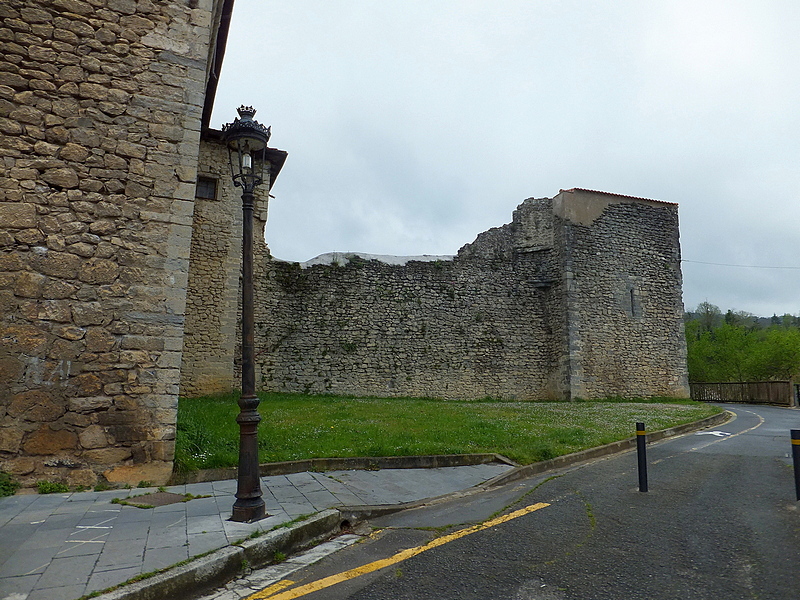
276 157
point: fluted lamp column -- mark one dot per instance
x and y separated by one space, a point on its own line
246 140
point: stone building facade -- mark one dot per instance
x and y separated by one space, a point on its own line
578 297
211 342
120 255
102 103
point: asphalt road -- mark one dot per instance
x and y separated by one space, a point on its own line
720 522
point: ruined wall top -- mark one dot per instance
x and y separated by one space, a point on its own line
531 229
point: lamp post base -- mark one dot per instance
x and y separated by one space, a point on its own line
247 511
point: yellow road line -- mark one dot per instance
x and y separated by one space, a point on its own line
315 586
268 591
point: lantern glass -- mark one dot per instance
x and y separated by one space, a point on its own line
247 149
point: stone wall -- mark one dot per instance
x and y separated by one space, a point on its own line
623 296
100 107
212 312
577 297
448 329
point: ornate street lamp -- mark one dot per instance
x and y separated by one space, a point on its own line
246 140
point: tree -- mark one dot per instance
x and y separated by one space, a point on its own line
709 315
736 348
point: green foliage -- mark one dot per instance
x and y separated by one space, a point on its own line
298 519
51 487
740 348
8 485
295 427
207 435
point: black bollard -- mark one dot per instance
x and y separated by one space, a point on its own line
796 460
641 449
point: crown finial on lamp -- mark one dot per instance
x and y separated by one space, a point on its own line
246 112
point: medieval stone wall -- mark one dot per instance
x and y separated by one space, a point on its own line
100 106
448 329
577 297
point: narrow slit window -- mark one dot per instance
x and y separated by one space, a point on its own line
634 302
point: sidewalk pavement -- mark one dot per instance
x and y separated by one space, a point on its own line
64 546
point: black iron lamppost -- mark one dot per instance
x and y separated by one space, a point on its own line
246 140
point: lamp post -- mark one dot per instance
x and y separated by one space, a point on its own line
246 140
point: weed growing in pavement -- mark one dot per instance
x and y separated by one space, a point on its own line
525 495
51 487
439 530
143 576
134 504
187 496
8 485
293 521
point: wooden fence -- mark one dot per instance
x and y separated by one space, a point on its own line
779 393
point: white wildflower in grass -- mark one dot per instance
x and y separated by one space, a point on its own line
298 427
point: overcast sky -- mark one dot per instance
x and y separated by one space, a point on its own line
412 126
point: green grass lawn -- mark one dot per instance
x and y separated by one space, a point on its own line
297 427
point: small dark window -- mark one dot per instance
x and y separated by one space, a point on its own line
634 302
206 188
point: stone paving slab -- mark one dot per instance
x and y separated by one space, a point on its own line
63 546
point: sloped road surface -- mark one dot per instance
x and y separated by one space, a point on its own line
720 521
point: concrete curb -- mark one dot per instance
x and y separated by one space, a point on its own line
354 514
361 463
222 565
600 451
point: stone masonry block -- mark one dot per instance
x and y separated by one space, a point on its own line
48 441
17 215
36 406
